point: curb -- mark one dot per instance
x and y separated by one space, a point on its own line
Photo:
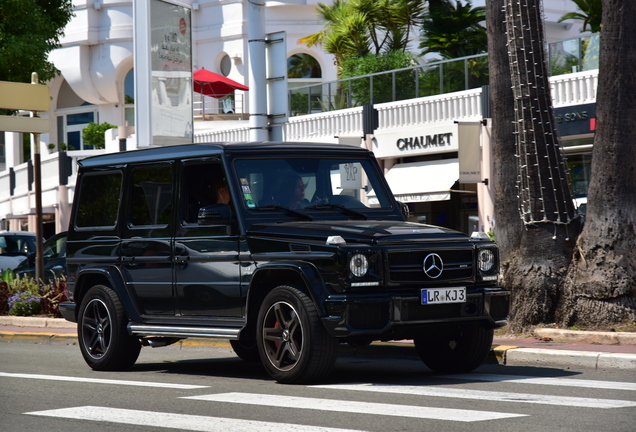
594 337
36 322
515 356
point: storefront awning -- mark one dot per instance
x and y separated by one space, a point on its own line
423 181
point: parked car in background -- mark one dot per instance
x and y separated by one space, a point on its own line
54 254
15 246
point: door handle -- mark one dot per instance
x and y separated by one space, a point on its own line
181 259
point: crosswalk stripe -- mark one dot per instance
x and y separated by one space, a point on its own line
182 422
561 382
410 411
102 381
483 395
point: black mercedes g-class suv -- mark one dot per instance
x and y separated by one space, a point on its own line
285 249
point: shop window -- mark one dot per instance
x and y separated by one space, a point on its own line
580 167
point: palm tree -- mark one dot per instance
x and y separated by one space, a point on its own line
355 28
591 12
453 30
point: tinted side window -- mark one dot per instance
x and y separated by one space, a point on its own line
98 203
151 194
200 187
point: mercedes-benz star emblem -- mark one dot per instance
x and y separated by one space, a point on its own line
433 266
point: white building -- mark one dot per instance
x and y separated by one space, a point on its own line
96 85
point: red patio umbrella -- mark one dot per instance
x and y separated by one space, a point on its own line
215 85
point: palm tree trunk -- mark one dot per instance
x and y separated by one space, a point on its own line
539 257
601 288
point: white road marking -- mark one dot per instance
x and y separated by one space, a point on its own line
410 411
561 382
182 422
484 395
102 381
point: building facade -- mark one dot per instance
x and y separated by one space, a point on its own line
97 85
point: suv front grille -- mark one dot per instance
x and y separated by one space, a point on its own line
407 266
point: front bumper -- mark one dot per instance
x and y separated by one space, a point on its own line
391 316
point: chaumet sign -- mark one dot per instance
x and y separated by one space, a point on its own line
423 142
416 141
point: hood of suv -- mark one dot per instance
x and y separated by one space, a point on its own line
371 232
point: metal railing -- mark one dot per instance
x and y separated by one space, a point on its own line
434 78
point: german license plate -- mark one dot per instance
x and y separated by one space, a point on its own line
444 295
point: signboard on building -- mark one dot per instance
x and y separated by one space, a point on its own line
576 120
416 141
163 72
469 152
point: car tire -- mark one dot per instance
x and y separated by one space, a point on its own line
455 349
293 344
101 329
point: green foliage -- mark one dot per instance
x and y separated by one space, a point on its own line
94 134
591 12
299 103
29 31
355 28
53 293
453 30
382 84
24 304
22 296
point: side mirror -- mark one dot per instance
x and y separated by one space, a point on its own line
405 210
215 214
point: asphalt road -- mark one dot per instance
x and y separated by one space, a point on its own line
50 388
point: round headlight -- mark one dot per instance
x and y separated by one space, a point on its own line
359 265
486 259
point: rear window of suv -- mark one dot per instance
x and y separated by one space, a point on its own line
99 199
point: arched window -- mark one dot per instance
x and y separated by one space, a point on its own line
304 70
301 66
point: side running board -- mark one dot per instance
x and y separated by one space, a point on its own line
183 332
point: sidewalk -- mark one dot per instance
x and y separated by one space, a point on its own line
548 347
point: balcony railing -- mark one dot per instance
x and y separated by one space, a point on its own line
434 78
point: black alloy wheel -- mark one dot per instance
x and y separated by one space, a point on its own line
103 338
293 344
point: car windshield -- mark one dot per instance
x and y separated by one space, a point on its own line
13 245
311 184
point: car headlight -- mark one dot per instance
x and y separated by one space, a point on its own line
485 260
359 265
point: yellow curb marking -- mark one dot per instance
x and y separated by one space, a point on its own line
500 351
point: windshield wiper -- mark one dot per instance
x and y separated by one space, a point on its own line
348 211
285 210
